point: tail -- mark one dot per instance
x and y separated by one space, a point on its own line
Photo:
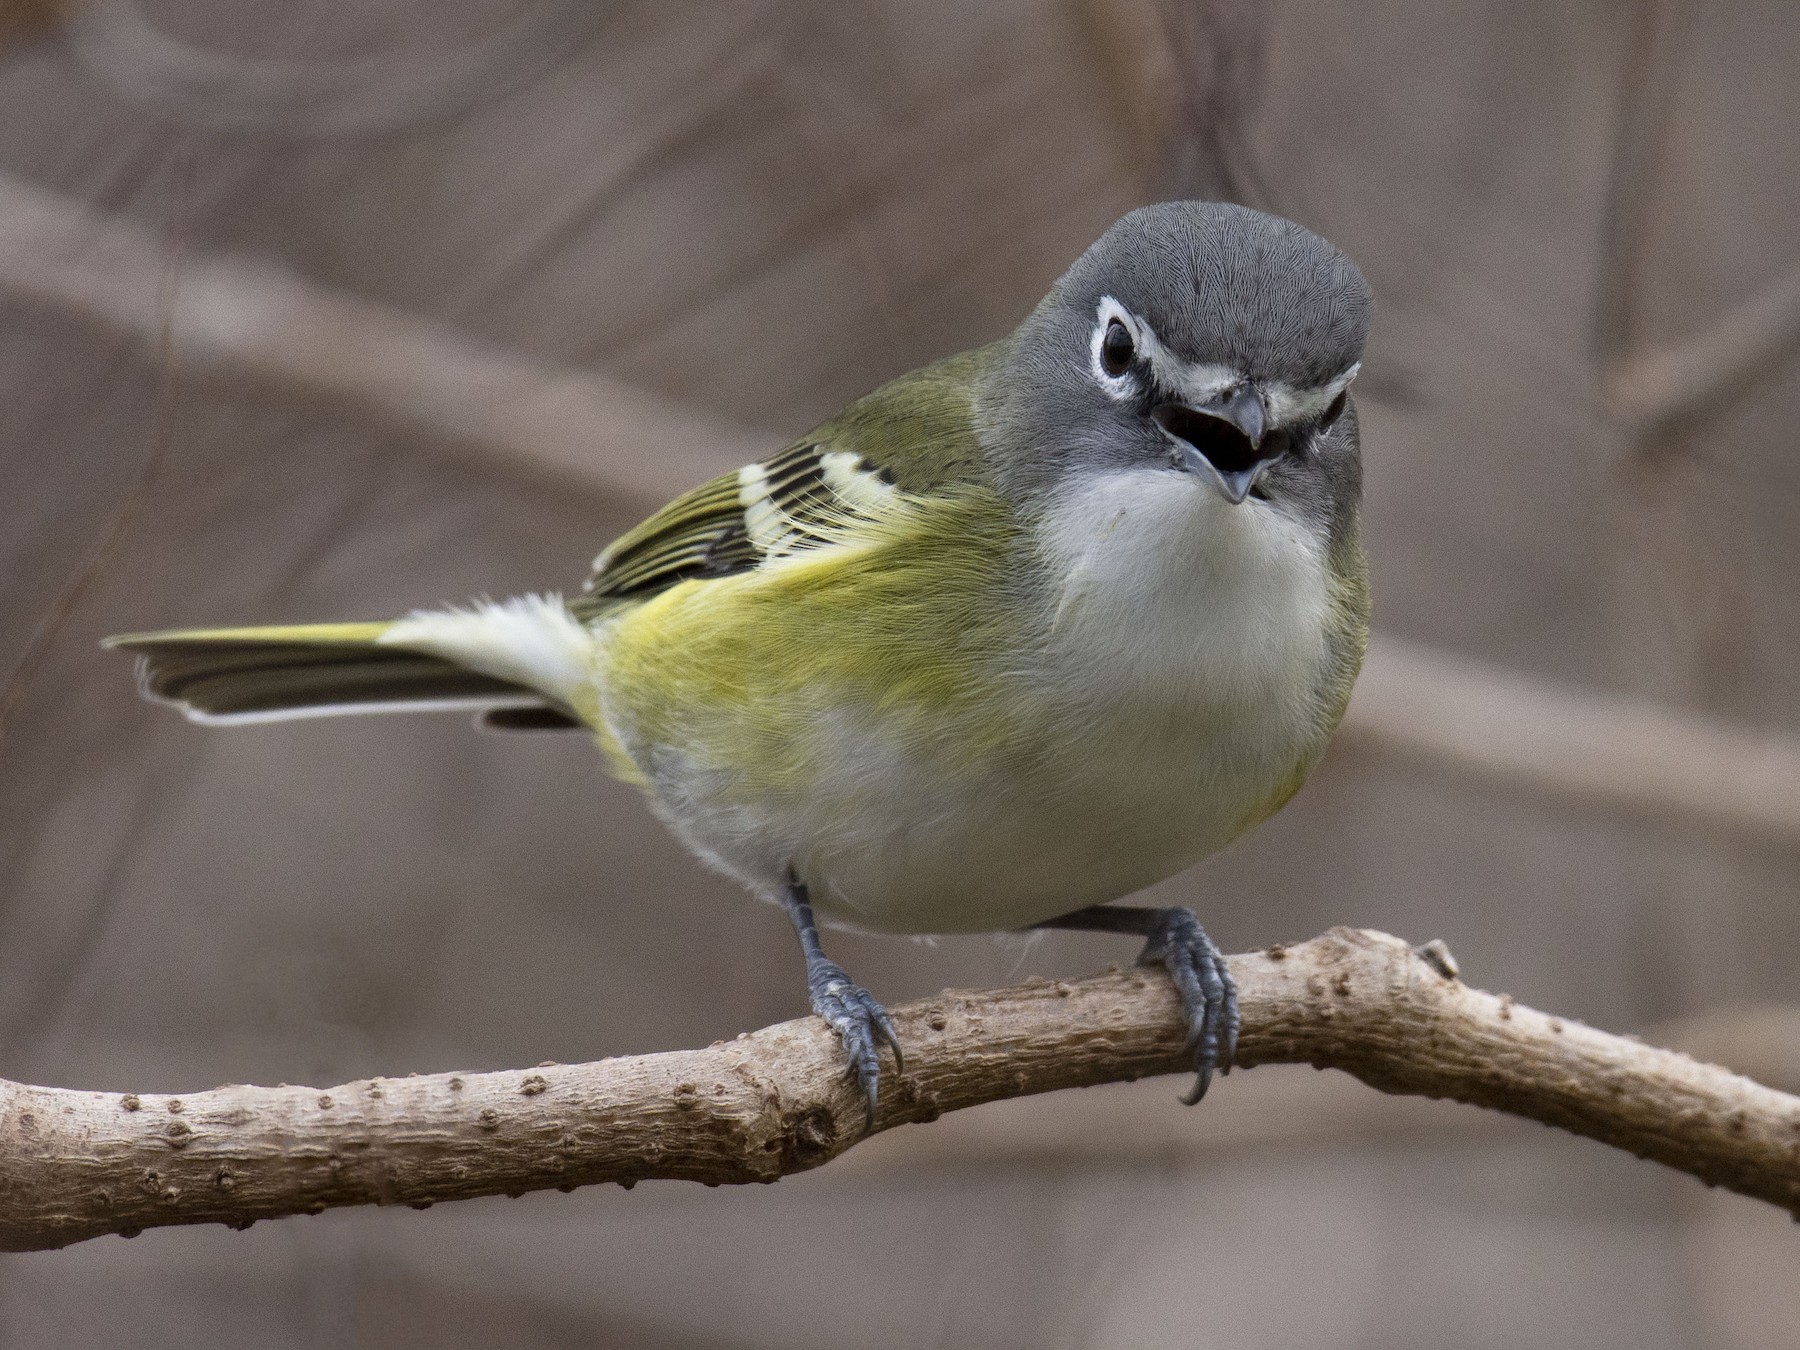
520 665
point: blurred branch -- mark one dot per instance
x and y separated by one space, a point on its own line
21 20
76 1165
1219 50
240 319
247 321
1186 76
116 44
1131 45
1596 748
1651 391
1640 144
93 563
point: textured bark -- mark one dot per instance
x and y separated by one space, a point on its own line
76 1165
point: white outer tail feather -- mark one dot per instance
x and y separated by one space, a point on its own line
424 705
531 640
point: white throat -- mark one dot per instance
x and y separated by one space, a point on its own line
1192 632
1169 590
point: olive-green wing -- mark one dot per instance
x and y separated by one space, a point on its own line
910 436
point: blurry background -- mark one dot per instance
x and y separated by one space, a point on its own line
330 308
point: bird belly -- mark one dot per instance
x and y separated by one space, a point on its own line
887 841
994 849
1165 699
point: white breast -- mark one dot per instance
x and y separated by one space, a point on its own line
1189 643
1177 604
1179 685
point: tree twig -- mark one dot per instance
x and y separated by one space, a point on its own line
76 1165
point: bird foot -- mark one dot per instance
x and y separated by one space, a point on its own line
862 1026
1208 996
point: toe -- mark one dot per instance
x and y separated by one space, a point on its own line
884 1028
1208 996
1202 1081
1233 1022
862 1026
865 1063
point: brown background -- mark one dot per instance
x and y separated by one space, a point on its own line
761 211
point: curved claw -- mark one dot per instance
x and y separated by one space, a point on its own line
884 1025
1208 994
862 1026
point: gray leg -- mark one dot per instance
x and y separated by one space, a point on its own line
1175 939
861 1023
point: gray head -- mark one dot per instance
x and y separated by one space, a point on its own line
1198 338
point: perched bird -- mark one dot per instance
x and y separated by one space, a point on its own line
1009 638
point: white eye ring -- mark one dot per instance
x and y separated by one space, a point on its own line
1123 385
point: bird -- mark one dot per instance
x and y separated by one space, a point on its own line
1008 639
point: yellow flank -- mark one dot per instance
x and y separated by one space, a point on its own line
911 617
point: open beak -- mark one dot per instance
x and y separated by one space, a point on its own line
1226 440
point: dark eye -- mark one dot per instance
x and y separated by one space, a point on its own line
1335 411
1116 349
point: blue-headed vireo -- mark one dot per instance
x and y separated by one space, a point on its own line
1007 639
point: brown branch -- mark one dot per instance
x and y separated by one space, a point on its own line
76 1165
